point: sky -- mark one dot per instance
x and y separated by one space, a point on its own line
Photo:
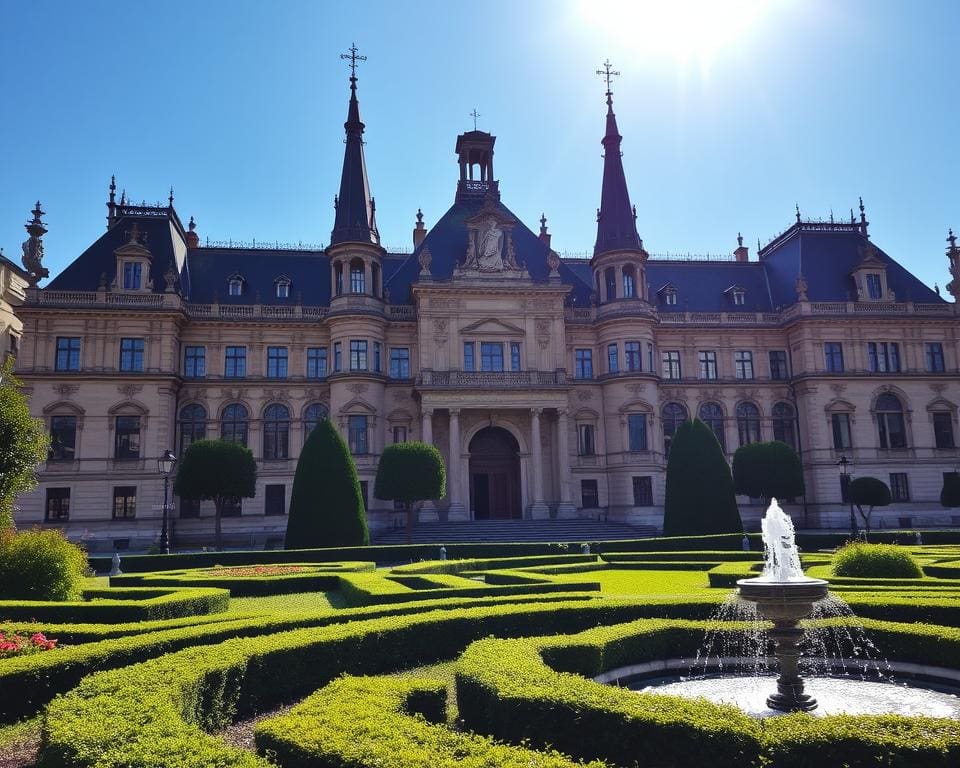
732 113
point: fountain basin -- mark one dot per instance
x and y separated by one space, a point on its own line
783 600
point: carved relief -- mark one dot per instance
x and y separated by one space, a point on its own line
585 395
129 390
938 387
66 390
358 387
838 389
490 248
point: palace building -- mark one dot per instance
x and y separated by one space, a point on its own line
551 385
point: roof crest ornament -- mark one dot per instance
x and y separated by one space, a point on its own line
607 73
475 115
33 247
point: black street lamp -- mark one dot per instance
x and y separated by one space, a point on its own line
165 465
845 491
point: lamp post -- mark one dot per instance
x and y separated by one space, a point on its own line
845 491
165 466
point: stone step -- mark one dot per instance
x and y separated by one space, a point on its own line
515 530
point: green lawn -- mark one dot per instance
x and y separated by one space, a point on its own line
293 603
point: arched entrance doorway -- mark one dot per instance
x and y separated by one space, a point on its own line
495 475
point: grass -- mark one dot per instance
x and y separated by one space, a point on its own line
296 602
614 582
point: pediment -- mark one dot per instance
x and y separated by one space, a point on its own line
839 405
941 404
492 327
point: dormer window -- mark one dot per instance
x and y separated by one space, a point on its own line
283 287
737 294
870 277
132 275
874 286
235 285
670 297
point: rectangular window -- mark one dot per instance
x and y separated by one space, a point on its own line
637 429
276 362
935 357
491 356
58 504
127 438
515 356
589 497
399 363
356 280
671 364
468 362
235 362
943 429
377 364
743 364
399 434
275 500
899 486
194 362
708 364
63 438
632 356
643 491
316 362
883 357
584 363
650 357
131 275
358 435
337 357
833 356
131 355
358 355
189 507
232 507
613 359
778 365
874 286
840 422
124 502
586 443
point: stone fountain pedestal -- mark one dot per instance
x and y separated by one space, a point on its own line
785 603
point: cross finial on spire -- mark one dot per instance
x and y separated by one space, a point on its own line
475 115
607 73
354 58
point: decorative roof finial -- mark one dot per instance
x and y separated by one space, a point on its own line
419 216
354 58
475 115
863 219
797 205
831 214
607 73
852 218
952 239
123 197
33 247
543 223
739 240
192 226
113 188
170 199
758 246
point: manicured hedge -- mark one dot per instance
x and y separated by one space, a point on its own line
121 605
464 565
684 556
75 634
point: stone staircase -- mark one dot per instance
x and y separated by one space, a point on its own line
515 530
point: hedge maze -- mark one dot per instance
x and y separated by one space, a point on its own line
485 659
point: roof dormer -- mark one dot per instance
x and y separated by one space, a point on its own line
870 276
736 294
134 261
667 294
282 286
236 285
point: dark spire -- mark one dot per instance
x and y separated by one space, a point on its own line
616 219
354 221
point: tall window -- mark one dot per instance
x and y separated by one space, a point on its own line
739 297
233 424
275 502
399 434
637 431
610 278
468 362
711 414
632 356
58 504
283 289
778 365
337 356
377 355
671 364
358 355
316 362
586 443
399 363
131 355
63 438
338 278
491 356
672 415
899 486
68 353
124 502
883 357
358 435
935 357
840 425
943 429
833 356
584 363
890 424
132 270
708 364
743 364
643 491
127 438
589 496
276 432
235 286
748 423
670 297
276 362
613 359
193 425
235 362
650 357
356 277
874 286
784 428
194 362
629 282
515 359
313 414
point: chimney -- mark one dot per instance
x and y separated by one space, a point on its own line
742 253
419 231
193 239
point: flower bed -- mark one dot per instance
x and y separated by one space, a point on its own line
15 644
252 571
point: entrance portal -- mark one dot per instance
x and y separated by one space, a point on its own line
495 475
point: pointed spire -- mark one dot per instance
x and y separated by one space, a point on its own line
616 217
355 219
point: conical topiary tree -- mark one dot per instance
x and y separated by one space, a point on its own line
326 506
700 498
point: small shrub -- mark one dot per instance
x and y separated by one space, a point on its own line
40 565
885 561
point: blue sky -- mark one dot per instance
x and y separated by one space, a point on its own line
729 117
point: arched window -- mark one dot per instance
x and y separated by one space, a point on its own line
890 424
233 424
375 279
338 279
276 432
610 278
711 414
629 282
748 423
672 415
357 278
312 415
193 425
784 425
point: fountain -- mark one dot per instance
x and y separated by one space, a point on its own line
784 596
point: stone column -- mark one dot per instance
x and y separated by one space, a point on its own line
458 510
538 508
428 512
567 507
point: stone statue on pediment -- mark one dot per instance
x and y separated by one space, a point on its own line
490 247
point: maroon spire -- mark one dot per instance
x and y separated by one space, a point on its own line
616 221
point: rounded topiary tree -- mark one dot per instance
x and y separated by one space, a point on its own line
950 495
40 565
700 498
410 473
868 492
768 470
884 561
326 506
217 470
23 444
